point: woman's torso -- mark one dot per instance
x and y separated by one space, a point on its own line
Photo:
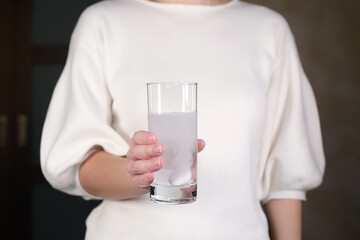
228 51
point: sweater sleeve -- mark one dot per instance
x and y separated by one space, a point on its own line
79 117
291 157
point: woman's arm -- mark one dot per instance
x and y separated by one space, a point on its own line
105 175
113 177
284 217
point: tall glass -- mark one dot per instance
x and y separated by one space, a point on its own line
172 110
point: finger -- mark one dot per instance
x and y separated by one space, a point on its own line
143 180
139 152
143 166
143 137
201 145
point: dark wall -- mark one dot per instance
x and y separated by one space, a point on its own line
54 215
328 38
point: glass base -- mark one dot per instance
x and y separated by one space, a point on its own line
173 194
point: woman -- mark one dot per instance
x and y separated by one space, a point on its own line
257 114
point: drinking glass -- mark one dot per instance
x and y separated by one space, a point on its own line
172 116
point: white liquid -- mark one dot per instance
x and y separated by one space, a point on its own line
178 133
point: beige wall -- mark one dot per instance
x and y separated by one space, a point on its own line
328 39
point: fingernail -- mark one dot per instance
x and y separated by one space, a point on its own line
157 149
152 138
157 162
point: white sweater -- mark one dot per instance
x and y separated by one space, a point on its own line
256 112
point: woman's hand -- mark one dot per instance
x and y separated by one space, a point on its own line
144 157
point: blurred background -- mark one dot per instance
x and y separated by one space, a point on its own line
33 48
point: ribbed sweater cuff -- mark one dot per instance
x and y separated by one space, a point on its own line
286 194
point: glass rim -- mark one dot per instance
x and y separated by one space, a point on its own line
172 83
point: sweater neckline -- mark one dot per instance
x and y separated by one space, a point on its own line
187 7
